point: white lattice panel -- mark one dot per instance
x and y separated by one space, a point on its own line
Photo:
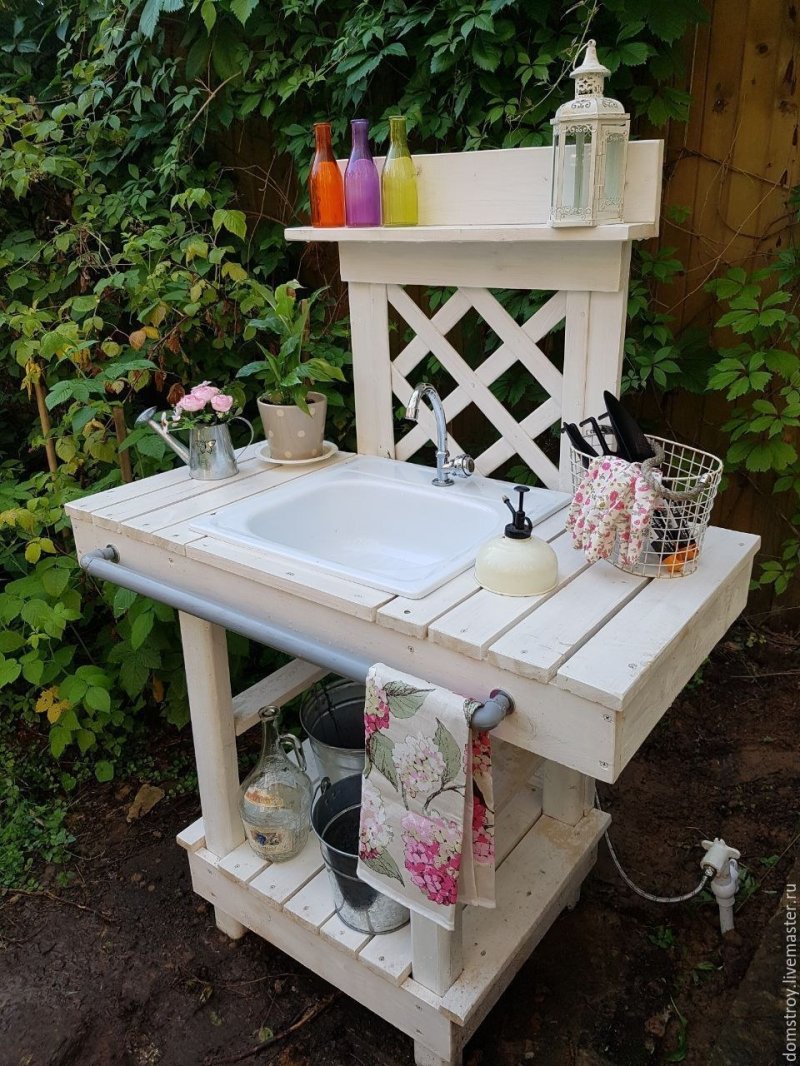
519 344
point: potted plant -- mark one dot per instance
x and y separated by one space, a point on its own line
292 413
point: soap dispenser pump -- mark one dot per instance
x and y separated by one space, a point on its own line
517 564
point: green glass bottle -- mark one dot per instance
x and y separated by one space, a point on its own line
399 178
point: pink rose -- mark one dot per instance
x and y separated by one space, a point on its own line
204 392
221 402
190 403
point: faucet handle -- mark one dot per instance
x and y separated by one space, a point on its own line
463 466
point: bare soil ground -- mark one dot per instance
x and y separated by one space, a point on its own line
126 966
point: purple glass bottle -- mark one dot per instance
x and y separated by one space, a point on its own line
362 186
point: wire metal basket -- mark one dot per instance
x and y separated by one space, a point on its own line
686 480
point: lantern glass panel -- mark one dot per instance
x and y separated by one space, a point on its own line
614 177
576 174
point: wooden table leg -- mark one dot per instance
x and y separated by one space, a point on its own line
205 655
436 961
567 796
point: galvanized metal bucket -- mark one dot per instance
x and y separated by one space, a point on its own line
333 717
335 817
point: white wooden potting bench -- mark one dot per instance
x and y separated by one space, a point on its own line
592 666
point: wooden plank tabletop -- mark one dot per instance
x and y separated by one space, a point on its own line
600 634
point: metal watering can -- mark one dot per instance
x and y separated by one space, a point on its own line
210 455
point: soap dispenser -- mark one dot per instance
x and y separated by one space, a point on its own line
517 564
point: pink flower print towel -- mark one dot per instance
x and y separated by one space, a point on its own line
427 817
612 501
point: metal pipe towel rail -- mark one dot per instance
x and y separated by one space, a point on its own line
104 563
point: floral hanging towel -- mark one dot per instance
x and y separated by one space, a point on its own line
427 808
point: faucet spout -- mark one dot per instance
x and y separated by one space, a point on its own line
146 418
463 465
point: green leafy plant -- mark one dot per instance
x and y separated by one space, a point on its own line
760 375
663 936
284 374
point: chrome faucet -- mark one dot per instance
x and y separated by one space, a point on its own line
462 465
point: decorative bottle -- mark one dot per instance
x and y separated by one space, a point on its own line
325 184
399 178
362 187
275 799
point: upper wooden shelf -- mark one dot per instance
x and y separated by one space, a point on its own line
502 197
504 233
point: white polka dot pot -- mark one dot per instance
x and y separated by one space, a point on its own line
293 434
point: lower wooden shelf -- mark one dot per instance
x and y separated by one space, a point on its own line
542 863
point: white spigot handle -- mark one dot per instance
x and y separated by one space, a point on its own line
717 856
720 862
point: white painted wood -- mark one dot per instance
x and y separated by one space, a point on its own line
537 233
668 616
670 670
477 623
389 954
424 1057
553 526
540 643
343 936
533 424
312 906
167 500
436 956
282 880
480 394
573 398
143 487
275 690
490 265
229 925
444 319
514 821
414 616
415 1015
538 877
608 313
509 188
513 770
208 684
520 344
566 795
192 837
517 340
369 335
291 576
242 864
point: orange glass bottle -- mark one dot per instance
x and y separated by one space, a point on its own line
325 182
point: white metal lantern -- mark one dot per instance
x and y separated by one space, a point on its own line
590 142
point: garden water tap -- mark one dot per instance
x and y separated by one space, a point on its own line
720 864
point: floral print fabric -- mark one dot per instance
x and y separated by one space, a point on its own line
613 501
427 820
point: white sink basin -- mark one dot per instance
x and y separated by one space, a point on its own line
377 522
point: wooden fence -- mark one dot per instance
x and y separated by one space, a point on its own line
732 166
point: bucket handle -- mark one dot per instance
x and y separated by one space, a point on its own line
320 789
